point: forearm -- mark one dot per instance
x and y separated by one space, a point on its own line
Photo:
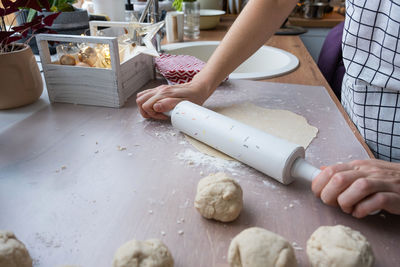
256 24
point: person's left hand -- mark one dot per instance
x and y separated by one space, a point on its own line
360 187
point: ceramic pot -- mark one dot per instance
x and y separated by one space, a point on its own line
20 80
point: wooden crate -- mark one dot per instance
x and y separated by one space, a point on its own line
93 86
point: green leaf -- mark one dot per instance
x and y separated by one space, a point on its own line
177 4
65 7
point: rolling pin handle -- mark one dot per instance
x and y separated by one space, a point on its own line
302 169
168 113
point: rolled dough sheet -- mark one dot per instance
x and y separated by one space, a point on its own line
278 122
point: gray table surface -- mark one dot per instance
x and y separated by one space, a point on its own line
73 197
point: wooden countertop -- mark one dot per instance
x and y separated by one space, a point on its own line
329 20
78 181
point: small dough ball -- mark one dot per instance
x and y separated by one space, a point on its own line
219 197
13 252
339 246
257 247
149 253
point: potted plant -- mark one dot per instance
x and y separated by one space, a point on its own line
21 82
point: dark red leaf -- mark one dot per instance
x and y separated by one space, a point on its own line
12 39
8 11
21 27
5 34
23 31
6 3
48 20
38 26
43 30
29 4
37 20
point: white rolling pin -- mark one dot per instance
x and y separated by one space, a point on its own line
271 155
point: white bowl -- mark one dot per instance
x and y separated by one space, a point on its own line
266 62
209 18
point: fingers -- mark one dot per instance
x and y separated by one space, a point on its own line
140 100
388 201
144 92
166 104
359 190
148 106
375 165
153 102
146 100
323 178
338 183
360 187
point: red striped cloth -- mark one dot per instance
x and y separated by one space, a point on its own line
178 69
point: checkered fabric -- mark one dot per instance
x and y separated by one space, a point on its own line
371 49
376 113
370 90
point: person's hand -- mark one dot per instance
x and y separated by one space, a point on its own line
360 187
153 102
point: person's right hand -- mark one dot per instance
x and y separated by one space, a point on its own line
360 187
153 102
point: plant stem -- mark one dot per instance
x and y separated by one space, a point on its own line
3 26
14 19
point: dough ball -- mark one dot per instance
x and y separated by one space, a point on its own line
13 252
219 197
149 253
339 246
257 247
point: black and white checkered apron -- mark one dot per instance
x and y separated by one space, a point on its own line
370 90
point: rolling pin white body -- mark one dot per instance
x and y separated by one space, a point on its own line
264 152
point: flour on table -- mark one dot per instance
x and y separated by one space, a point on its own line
280 123
199 159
